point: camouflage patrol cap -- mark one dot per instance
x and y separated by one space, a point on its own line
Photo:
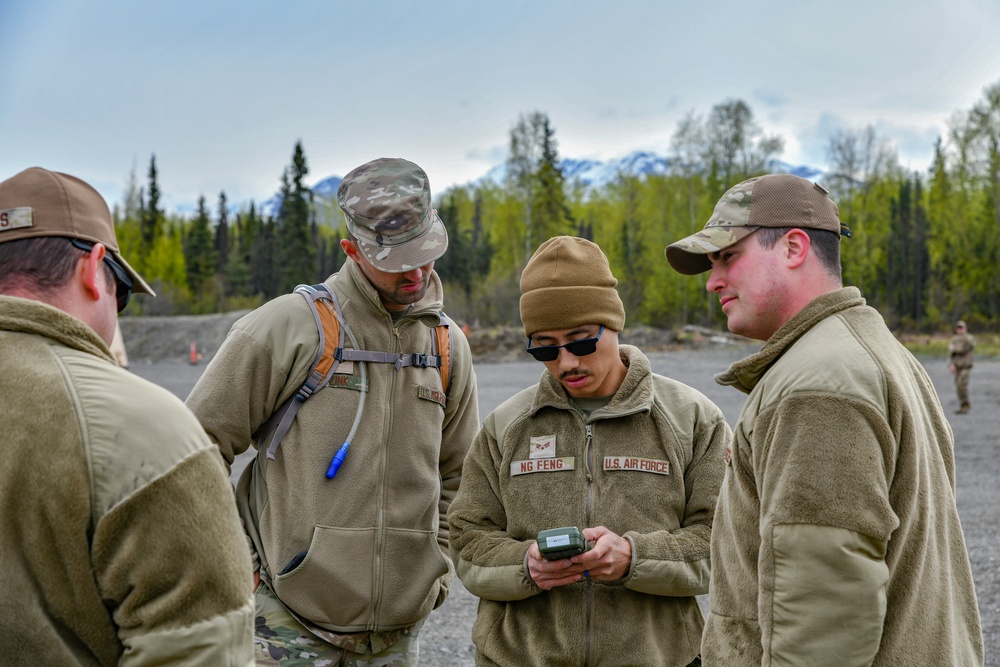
387 205
774 200
960 324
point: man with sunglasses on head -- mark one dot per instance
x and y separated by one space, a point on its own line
601 444
120 540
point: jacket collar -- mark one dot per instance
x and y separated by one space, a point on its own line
356 285
634 395
40 319
746 373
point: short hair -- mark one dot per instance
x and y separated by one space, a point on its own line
825 243
41 264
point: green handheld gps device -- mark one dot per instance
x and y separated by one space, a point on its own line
559 543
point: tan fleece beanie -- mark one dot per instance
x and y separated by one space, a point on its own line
568 283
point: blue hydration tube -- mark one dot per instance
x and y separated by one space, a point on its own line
338 458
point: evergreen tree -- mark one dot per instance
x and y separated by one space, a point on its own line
199 251
151 224
536 181
237 271
296 251
551 213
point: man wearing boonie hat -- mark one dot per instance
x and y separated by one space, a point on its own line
960 363
602 444
837 539
350 566
120 540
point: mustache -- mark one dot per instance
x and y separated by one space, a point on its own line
572 374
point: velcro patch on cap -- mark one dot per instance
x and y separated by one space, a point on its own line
14 218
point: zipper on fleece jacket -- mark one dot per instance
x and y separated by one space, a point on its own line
589 506
383 473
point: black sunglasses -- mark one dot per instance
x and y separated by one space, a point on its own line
123 290
579 348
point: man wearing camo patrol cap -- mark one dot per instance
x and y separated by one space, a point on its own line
349 567
836 538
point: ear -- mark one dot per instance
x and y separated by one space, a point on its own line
347 245
90 271
797 244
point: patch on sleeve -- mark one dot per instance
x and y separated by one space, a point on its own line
542 465
636 464
430 394
13 218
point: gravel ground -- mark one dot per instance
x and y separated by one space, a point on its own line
445 638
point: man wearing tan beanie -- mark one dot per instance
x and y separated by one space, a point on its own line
632 459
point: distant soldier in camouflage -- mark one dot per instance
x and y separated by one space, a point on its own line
351 562
960 364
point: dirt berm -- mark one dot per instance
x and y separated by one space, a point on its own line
164 339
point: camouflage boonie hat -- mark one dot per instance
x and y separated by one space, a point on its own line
387 205
774 200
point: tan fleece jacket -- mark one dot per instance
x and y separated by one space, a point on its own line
120 542
648 466
837 539
366 551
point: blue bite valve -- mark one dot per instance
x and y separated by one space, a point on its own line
338 459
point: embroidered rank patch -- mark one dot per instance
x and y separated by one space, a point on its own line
542 465
637 464
542 447
13 218
344 381
429 394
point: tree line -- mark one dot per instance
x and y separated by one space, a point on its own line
925 249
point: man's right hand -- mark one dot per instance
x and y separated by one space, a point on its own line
548 574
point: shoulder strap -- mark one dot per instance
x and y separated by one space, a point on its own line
331 352
325 363
442 348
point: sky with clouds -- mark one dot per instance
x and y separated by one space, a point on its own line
221 91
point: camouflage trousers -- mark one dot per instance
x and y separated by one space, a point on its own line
280 640
962 385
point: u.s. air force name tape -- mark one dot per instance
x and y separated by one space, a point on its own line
611 464
636 464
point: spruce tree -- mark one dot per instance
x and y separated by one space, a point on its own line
151 224
199 250
237 271
296 251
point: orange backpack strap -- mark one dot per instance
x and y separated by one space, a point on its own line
442 340
331 352
331 338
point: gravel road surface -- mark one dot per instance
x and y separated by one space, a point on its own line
445 638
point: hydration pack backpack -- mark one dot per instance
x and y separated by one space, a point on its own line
331 352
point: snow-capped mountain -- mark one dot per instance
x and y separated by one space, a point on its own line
598 173
585 172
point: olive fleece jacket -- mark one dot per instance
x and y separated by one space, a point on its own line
120 542
837 539
960 350
648 466
367 550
